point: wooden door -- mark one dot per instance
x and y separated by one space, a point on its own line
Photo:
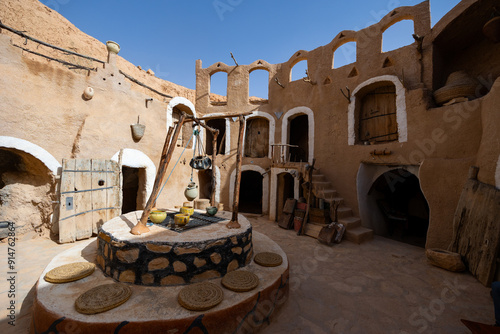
377 120
257 138
90 196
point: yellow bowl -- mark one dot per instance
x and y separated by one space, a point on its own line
188 210
181 219
157 216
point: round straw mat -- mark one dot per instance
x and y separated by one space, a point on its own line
70 272
268 259
240 281
102 298
200 296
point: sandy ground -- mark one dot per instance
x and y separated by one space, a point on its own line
381 286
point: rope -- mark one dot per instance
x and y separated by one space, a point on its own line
176 166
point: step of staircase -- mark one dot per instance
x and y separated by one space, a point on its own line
359 234
350 223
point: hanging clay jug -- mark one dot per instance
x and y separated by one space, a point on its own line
191 191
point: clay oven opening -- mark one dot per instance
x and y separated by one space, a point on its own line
257 138
285 191
250 200
402 208
219 124
205 182
299 136
376 111
25 188
133 189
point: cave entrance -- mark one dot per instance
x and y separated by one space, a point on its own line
250 200
402 206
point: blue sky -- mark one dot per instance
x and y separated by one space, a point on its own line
168 36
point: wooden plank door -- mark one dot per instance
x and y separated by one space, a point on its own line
377 121
90 196
257 138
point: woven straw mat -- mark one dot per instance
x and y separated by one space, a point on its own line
240 281
70 272
102 298
200 296
268 259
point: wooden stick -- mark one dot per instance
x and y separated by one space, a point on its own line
166 155
225 116
303 226
236 197
214 156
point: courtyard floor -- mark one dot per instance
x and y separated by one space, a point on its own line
381 286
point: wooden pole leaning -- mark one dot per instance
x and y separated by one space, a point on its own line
302 228
214 156
166 155
234 220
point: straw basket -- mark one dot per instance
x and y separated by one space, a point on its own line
458 84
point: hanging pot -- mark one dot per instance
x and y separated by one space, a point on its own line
137 130
200 162
492 29
191 191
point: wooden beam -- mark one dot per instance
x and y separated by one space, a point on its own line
214 156
304 222
166 155
225 116
234 220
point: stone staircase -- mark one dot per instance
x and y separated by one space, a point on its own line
356 233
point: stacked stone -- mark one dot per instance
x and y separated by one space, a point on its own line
155 263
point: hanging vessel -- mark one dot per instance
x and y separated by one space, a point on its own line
137 130
200 162
191 191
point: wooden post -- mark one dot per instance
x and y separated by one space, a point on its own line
214 156
310 173
236 196
166 155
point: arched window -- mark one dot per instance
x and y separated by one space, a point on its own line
258 85
298 70
344 54
398 35
218 88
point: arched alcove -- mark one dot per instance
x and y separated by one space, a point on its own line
250 199
298 70
258 85
257 138
226 133
265 186
205 183
344 54
278 190
392 203
175 106
219 124
218 88
398 35
285 128
271 129
286 190
138 175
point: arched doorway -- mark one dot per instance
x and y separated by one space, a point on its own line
133 189
257 137
299 136
250 199
402 208
219 124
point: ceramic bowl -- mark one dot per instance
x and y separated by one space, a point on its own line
157 216
211 210
181 219
187 210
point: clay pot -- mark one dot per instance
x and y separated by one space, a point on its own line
113 47
188 210
157 216
191 191
211 210
445 259
137 131
181 219
492 29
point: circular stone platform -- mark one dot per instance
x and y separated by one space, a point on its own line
154 309
167 257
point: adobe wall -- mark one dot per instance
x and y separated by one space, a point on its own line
442 142
42 103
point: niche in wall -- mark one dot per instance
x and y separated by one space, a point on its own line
257 138
299 136
219 124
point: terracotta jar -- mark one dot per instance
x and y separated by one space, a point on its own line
191 191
